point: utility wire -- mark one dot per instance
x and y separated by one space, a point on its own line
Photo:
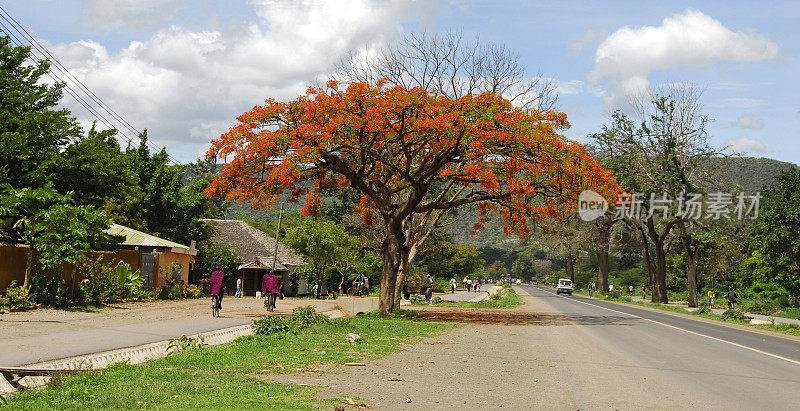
42 53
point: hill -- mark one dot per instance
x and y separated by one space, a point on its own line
749 172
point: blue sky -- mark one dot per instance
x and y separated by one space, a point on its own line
186 69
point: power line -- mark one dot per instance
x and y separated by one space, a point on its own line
42 52
69 90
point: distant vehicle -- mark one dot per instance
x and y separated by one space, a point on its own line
418 283
564 286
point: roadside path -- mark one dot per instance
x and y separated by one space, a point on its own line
44 335
560 352
767 318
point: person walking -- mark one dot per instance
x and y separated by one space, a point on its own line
238 288
590 287
611 288
469 285
453 285
711 296
644 292
630 290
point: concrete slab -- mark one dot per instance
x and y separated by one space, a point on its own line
357 305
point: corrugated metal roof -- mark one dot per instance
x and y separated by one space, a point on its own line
135 237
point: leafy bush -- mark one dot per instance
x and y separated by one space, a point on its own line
171 288
16 297
732 315
436 300
306 316
302 317
183 342
192 291
703 310
271 324
760 306
417 299
99 282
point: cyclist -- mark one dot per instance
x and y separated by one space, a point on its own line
731 299
359 284
217 287
270 288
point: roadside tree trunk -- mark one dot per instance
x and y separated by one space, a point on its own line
602 243
569 266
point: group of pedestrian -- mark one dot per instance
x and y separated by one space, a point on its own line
470 284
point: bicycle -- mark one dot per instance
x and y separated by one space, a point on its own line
269 301
357 290
215 305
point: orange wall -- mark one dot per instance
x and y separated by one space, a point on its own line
12 265
164 263
14 259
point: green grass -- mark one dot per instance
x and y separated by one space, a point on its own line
509 299
792 329
230 375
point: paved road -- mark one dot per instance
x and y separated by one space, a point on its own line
44 335
695 363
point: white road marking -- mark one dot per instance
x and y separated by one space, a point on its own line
693 332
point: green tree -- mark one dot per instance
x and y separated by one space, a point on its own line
32 131
113 186
57 230
776 231
169 208
321 242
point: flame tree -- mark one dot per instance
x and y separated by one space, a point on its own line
396 145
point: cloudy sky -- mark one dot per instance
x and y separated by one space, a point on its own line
185 69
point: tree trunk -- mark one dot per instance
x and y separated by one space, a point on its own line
691 280
29 267
601 248
692 261
407 257
660 275
569 266
391 260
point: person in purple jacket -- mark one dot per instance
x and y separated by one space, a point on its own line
217 286
270 288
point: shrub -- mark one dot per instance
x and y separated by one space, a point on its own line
703 310
302 317
306 316
16 297
436 300
270 324
733 315
417 299
193 291
99 282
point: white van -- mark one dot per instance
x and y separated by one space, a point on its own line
564 286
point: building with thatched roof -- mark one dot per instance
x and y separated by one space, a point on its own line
256 251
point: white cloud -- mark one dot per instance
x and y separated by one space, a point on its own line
580 138
744 145
749 121
188 86
692 40
588 38
744 102
569 87
105 15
